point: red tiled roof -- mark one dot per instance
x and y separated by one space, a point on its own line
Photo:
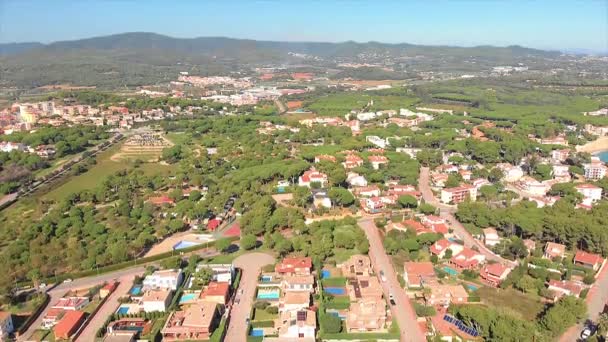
440 246
289 264
424 268
216 289
587 258
68 324
160 200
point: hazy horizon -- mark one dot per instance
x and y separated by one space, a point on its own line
546 25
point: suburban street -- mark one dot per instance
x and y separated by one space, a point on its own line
596 300
108 308
250 265
403 312
446 212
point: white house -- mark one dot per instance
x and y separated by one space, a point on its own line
511 173
164 279
312 176
490 237
561 171
355 179
376 141
222 273
6 324
320 198
590 192
156 300
532 186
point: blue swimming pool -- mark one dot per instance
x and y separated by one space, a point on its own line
472 287
257 332
266 279
337 314
268 295
450 271
336 291
325 274
135 290
123 310
184 244
187 298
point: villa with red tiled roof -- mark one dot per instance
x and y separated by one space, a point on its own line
467 259
441 246
590 260
376 161
562 288
554 250
216 292
69 324
416 274
312 176
352 161
494 274
325 157
294 266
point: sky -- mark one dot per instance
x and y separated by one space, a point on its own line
545 24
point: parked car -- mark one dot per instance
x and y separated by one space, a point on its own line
382 276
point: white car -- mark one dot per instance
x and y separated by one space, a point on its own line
586 333
382 276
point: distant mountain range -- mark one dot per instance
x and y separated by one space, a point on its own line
142 58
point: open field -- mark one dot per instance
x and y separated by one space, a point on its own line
105 166
519 303
342 103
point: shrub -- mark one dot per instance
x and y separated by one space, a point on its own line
261 305
272 310
331 324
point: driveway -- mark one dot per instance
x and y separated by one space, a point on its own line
250 265
403 312
109 307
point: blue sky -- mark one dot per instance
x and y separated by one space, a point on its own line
555 24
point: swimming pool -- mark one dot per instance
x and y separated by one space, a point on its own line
185 244
325 274
135 290
123 310
266 279
336 291
257 332
187 298
472 287
337 314
450 271
272 294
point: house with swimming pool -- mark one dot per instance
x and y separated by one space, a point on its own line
195 322
299 325
357 264
222 273
298 283
294 301
294 266
216 292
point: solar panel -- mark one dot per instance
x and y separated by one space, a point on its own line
301 316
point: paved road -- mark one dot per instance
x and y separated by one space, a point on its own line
109 306
250 264
82 283
596 299
403 312
446 211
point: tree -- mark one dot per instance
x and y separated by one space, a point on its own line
563 314
407 201
495 175
301 196
427 209
331 324
453 181
341 197
222 245
248 241
203 277
488 192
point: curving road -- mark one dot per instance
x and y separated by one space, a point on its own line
403 312
250 265
447 212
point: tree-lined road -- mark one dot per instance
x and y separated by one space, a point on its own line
403 312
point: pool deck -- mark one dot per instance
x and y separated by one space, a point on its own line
167 244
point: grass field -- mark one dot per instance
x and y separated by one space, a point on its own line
104 167
342 103
522 305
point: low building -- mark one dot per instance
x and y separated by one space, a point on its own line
510 172
164 279
6 324
590 192
196 322
216 292
490 237
51 317
554 250
294 266
107 289
417 274
562 288
120 336
297 283
441 246
467 259
446 295
312 176
589 260
156 300
320 199
294 301
560 155
222 273
494 274
459 194
363 287
356 180
297 325
357 265
71 303
367 191
366 315
377 161
68 325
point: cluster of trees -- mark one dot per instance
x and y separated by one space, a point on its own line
408 242
499 325
560 223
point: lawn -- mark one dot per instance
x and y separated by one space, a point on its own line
522 305
178 138
104 167
263 315
43 335
334 282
